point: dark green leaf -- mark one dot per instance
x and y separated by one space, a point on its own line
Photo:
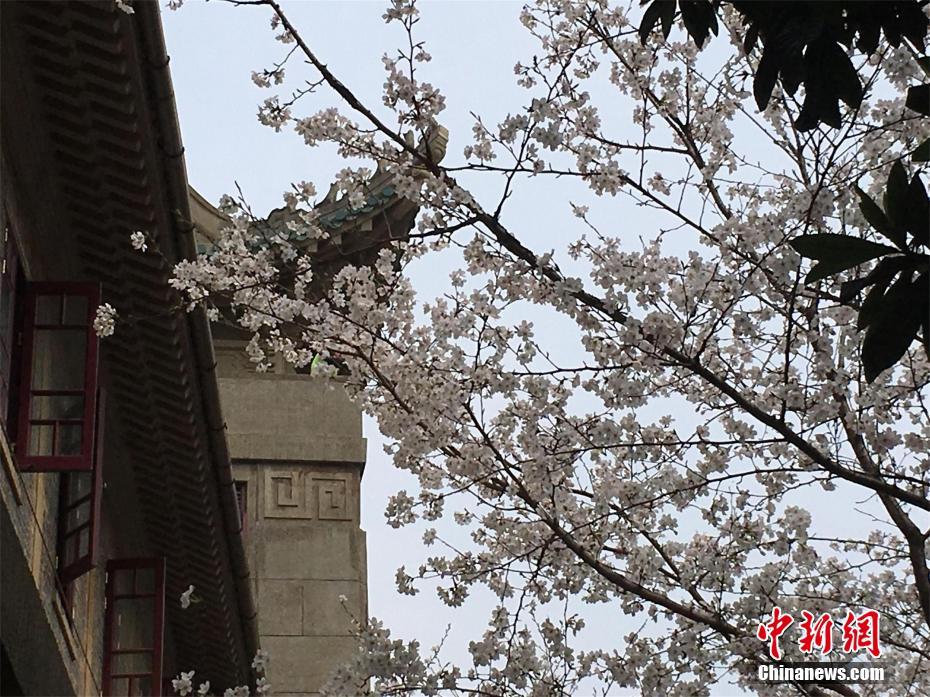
818 106
892 33
829 77
896 195
649 20
876 218
879 278
837 253
668 16
917 213
922 152
752 35
663 10
792 71
914 23
825 269
871 306
830 247
842 75
918 99
766 75
699 19
868 38
850 289
893 329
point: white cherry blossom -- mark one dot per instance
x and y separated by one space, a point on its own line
105 320
183 684
186 597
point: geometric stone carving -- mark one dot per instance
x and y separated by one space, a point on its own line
286 489
284 495
303 494
332 501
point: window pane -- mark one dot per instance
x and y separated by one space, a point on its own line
77 546
119 687
75 310
79 485
133 626
48 309
84 542
78 516
58 359
58 407
142 687
132 663
40 440
6 305
145 581
69 439
70 550
122 581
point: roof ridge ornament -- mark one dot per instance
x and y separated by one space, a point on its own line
384 215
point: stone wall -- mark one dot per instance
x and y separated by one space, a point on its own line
296 443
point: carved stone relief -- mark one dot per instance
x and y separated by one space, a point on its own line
306 495
332 499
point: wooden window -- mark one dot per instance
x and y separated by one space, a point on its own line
134 627
59 388
79 512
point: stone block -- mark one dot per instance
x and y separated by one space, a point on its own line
304 664
291 417
280 607
300 550
324 615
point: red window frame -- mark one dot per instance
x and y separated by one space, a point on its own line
57 462
71 563
116 591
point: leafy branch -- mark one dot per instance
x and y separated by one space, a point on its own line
896 306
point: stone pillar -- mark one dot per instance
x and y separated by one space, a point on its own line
296 443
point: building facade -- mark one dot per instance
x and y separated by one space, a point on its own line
155 459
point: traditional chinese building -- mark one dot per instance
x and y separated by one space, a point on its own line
155 459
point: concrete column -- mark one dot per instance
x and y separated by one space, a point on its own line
297 443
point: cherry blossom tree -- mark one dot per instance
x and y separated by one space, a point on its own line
707 451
